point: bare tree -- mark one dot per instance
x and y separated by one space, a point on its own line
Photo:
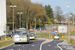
58 13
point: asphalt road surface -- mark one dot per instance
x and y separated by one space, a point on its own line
48 44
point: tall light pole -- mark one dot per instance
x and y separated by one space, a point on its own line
13 14
23 23
69 23
35 26
39 23
20 18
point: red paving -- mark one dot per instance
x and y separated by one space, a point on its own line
71 37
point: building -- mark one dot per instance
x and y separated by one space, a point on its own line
2 17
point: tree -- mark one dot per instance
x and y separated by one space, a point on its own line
49 11
30 12
58 13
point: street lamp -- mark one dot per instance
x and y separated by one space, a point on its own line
39 23
23 23
69 23
20 18
13 14
35 26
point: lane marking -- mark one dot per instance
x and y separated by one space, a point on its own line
19 49
49 45
59 47
9 49
46 41
32 45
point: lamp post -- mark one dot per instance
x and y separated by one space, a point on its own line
23 23
13 14
20 18
35 26
39 23
69 23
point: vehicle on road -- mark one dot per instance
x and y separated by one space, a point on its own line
21 36
32 34
56 37
9 35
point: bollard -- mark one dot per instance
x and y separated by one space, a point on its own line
62 36
49 37
6 38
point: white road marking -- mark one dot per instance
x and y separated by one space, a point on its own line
9 49
19 49
49 45
46 41
59 47
68 47
32 45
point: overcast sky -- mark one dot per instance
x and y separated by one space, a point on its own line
62 3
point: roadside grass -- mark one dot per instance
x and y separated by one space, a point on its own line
67 40
4 39
43 35
72 33
5 43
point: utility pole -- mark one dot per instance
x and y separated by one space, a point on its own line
20 18
13 15
69 24
35 26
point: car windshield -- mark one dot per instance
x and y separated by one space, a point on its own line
17 32
56 35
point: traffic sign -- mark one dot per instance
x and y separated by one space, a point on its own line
62 29
54 32
49 34
40 29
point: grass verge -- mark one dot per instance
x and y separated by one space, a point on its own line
72 42
7 38
5 43
43 35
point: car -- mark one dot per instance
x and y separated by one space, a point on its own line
32 35
56 36
21 36
9 35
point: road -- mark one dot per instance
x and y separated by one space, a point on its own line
48 44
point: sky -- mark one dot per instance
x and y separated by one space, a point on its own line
61 3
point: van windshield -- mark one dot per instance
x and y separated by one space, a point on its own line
24 34
17 32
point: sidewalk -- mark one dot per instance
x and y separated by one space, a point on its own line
71 37
67 46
